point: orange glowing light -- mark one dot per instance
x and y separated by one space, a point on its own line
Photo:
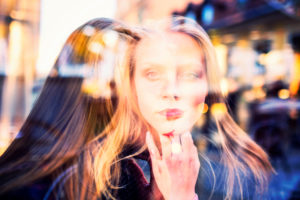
294 86
284 94
258 93
218 109
205 108
96 88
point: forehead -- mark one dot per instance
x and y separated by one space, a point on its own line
169 47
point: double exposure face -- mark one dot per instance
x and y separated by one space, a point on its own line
170 81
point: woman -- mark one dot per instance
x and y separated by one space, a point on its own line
161 84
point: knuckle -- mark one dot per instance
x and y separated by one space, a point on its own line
198 164
194 150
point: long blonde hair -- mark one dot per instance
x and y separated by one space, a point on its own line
97 154
240 154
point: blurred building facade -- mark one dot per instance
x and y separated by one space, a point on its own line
257 43
19 33
265 27
141 11
32 33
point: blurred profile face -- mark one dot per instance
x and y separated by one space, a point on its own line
170 81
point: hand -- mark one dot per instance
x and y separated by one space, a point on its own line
176 171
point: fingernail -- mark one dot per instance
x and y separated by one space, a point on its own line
187 134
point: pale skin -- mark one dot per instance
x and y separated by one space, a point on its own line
175 174
170 74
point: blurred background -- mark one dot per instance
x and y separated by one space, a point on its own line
257 43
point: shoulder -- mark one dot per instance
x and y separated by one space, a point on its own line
133 183
212 182
33 191
46 188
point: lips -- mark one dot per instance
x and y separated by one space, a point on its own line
172 114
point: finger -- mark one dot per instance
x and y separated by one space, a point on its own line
166 146
176 138
195 153
196 160
187 143
154 153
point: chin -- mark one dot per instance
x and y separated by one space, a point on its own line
177 129
178 126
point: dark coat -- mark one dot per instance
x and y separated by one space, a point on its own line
136 177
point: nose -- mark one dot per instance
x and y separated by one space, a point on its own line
170 90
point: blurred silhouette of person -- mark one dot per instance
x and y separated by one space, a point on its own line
270 136
62 121
160 81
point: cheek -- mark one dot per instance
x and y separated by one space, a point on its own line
197 101
198 96
197 105
143 100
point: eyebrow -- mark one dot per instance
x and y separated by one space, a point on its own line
199 67
191 65
147 65
181 66
150 63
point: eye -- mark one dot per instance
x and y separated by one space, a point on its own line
192 75
152 75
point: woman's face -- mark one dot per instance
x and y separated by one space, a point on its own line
170 81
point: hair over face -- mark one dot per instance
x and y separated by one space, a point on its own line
96 145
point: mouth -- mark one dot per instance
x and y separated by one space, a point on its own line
172 114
